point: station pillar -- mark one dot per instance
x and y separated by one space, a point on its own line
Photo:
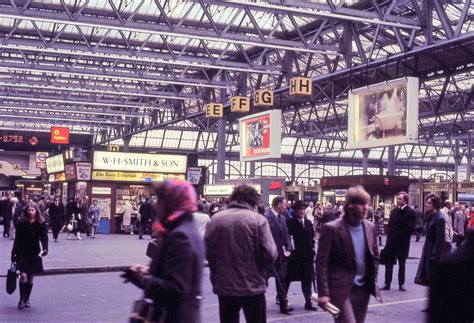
221 149
391 161
365 160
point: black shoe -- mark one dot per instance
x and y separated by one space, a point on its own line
140 237
286 309
21 304
402 288
310 307
385 287
27 303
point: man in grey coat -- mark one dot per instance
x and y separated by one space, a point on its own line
239 247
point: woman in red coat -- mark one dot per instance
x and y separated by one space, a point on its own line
26 252
470 223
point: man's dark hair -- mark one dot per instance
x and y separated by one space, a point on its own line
277 200
405 196
435 201
245 193
200 207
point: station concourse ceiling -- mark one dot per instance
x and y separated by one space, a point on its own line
142 70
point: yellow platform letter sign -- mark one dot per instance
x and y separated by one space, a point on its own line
240 104
263 98
301 86
214 110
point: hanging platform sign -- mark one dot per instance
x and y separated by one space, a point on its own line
260 136
383 114
240 104
59 135
263 98
214 110
301 86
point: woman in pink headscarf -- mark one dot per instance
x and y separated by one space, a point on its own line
173 279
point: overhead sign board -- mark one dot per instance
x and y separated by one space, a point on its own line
194 175
214 110
153 163
263 98
102 190
55 164
383 114
240 104
224 189
260 136
41 159
71 174
132 176
59 135
301 86
84 171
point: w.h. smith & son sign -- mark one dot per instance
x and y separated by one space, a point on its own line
119 161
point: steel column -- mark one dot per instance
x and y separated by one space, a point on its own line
391 161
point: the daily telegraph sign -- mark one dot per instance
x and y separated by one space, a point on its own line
155 163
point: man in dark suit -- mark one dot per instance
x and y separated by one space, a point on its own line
347 259
301 261
56 217
400 226
282 240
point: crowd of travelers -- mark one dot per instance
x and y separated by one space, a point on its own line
333 251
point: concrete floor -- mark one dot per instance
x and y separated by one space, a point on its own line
102 297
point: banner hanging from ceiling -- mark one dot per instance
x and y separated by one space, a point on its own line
383 114
260 136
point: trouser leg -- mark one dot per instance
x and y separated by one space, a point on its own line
56 229
401 271
255 308
229 308
346 314
306 289
360 301
282 286
388 274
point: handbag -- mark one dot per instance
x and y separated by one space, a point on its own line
153 248
11 279
146 311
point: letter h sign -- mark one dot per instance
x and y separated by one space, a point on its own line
301 86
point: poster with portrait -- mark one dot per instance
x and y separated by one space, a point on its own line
383 114
260 136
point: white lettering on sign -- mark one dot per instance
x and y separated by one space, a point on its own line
120 161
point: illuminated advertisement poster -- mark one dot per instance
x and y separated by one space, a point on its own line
383 114
260 136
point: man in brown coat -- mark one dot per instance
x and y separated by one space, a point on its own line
348 258
239 248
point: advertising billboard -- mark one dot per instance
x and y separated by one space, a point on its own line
55 164
59 135
260 136
383 114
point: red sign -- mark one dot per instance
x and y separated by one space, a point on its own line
59 135
258 136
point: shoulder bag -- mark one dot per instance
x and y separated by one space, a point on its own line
146 311
11 279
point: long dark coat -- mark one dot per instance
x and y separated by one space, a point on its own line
176 272
301 261
26 247
400 226
452 287
56 215
434 248
281 237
